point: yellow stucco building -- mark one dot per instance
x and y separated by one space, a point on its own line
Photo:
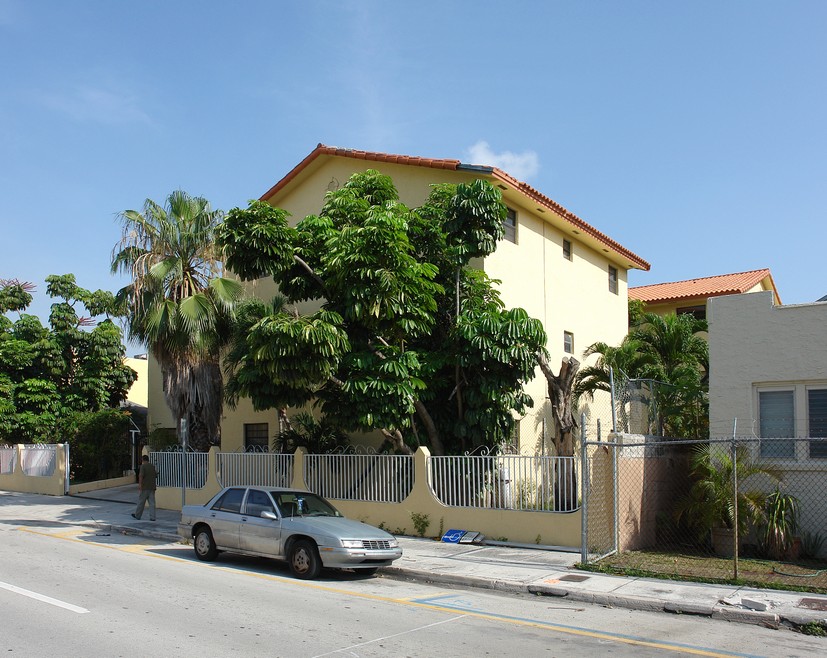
559 268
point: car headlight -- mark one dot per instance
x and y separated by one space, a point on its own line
352 543
393 543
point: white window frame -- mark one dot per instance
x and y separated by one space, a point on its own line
801 418
510 225
614 282
566 336
807 420
761 432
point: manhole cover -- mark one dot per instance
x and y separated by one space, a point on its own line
574 579
811 604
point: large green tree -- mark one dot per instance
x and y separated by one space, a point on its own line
48 373
401 335
179 305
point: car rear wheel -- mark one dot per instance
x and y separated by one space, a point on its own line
304 560
204 545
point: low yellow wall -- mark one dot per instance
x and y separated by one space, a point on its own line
54 485
545 528
86 487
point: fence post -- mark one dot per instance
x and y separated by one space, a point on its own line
614 400
735 508
584 484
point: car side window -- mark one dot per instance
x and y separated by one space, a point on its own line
230 501
258 502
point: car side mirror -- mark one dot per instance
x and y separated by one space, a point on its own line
268 514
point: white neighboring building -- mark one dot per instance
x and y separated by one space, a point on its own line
768 378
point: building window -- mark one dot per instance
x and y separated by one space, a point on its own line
613 279
256 436
510 226
567 249
698 312
776 411
817 421
568 342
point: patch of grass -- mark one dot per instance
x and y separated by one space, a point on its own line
802 576
813 628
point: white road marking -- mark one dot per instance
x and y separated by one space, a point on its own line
387 637
44 598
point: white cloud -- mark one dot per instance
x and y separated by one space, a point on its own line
520 165
98 105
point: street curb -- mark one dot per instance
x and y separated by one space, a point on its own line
641 603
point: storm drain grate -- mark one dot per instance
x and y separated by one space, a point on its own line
574 578
813 604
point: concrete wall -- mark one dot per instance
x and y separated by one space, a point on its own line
753 346
14 477
546 528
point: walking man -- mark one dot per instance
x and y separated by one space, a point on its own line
146 489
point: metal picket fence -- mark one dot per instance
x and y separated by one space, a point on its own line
368 477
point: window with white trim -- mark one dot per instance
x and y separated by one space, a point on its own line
613 279
510 226
567 249
568 342
776 411
817 421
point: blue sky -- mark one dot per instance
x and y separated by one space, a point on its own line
691 132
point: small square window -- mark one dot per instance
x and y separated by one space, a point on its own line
256 436
613 279
510 226
568 342
567 249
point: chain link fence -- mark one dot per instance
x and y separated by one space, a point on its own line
719 509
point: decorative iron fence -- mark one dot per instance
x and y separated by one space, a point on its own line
372 478
176 468
266 469
504 482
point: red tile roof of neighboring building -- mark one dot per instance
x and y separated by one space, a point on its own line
710 286
493 172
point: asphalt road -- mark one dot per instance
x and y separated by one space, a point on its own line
72 592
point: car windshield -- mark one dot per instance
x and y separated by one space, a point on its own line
301 503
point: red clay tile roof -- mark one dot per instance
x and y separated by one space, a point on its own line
437 163
710 286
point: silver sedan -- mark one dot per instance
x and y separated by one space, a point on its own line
288 524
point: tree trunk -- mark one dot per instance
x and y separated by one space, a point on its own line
433 434
397 441
560 390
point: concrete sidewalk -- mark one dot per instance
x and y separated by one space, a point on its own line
494 567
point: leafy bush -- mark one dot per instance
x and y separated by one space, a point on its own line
99 446
318 437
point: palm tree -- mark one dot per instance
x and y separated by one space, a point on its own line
179 305
681 368
710 502
674 342
628 360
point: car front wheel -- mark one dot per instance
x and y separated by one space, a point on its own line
304 560
204 545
